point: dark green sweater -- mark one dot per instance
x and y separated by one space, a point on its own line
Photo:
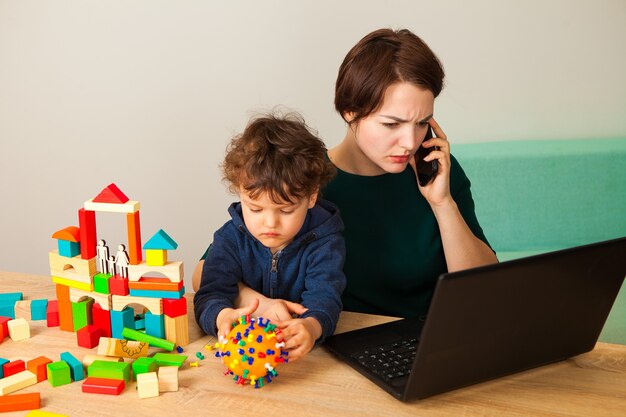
394 250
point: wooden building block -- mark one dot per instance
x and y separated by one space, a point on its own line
174 307
144 365
112 370
58 373
118 285
70 233
172 270
71 283
177 329
161 240
7 308
122 348
147 385
88 336
2 362
66 320
169 359
76 368
103 386
111 194
101 283
127 207
4 327
142 337
134 237
68 249
17 382
38 309
13 367
154 305
63 292
155 284
39 413
52 313
101 319
168 378
38 367
22 309
81 313
156 257
77 266
89 359
88 234
18 329
121 319
20 402
158 294
104 300
155 325
14 296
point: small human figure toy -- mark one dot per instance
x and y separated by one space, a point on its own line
111 263
102 250
252 351
122 261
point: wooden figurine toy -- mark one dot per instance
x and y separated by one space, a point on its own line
251 351
102 252
122 261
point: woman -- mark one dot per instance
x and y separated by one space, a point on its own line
400 236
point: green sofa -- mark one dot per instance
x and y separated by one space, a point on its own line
538 196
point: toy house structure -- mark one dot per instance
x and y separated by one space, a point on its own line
95 300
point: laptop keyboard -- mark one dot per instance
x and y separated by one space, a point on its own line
389 361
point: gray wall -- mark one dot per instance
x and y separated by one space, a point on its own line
146 94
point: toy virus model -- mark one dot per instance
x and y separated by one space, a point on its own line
251 351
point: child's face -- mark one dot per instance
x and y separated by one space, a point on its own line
274 225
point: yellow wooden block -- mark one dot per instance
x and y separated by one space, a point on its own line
177 329
147 385
168 378
75 265
39 413
22 309
17 382
172 270
18 329
73 284
156 257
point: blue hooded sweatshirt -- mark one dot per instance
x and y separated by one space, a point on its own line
309 270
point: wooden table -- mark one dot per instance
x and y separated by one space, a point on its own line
593 384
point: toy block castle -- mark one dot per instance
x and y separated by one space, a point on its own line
94 288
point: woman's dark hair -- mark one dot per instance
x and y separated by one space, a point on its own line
279 155
382 58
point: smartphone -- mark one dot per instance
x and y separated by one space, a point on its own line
426 171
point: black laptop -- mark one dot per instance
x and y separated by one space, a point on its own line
491 321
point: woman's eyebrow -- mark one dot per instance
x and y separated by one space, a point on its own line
401 120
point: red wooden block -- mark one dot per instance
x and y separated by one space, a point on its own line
4 327
88 336
174 308
101 319
18 402
118 285
111 194
103 386
52 313
134 238
38 367
87 222
12 368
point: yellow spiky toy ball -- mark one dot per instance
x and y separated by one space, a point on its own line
251 351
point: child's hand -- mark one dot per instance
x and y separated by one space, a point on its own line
228 315
282 310
299 336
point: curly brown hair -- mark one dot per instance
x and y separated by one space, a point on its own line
280 155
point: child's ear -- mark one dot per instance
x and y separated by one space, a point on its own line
313 199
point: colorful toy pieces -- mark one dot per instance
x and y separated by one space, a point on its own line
252 351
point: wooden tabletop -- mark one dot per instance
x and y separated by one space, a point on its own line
592 384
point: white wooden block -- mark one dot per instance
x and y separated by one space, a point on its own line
168 378
148 385
19 329
103 299
17 382
172 270
76 266
127 207
155 305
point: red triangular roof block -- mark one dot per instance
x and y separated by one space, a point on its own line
111 194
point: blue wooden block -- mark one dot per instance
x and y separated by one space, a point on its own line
161 240
7 308
2 362
69 249
76 368
38 309
155 325
140 324
121 319
158 294
7 296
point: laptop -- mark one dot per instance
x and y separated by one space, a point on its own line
488 322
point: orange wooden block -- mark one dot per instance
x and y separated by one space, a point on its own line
134 238
63 292
38 367
18 402
155 283
66 318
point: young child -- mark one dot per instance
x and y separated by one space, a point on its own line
282 241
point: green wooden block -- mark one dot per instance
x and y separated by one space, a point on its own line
110 370
81 312
169 359
101 283
142 337
143 365
58 373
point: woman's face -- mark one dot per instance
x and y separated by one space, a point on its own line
389 137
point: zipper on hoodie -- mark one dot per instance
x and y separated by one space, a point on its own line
273 270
